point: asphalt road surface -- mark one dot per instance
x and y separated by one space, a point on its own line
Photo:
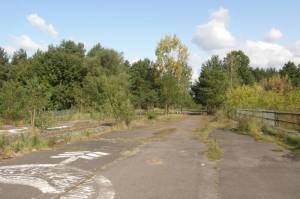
161 162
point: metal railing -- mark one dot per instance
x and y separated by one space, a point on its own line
289 121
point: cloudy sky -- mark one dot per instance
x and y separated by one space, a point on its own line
268 31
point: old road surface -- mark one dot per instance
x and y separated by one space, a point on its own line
161 162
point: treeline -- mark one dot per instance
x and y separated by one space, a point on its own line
231 83
67 76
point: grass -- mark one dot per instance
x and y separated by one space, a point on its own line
22 143
12 146
265 133
157 136
209 124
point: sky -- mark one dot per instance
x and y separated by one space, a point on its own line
267 31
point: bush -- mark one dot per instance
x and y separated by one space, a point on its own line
151 115
293 141
257 97
250 126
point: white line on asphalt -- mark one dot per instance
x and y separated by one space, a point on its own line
58 179
75 155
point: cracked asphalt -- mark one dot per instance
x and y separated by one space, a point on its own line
165 161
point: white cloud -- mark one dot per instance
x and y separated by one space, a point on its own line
265 54
214 38
9 50
295 48
41 24
214 34
221 15
273 35
24 41
195 61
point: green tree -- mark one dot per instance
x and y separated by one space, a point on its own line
261 73
4 58
106 85
292 71
4 67
18 57
142 76
171 60
12 96
169 92
35 99
212 84
61 67
237 66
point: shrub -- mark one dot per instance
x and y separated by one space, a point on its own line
293 141
250 126
151 115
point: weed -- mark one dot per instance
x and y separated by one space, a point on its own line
214 151
209 123
67 138
151 115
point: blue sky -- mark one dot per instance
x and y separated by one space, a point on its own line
269 28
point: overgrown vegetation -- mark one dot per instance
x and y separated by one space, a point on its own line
100 81
232 84
262 132
208 125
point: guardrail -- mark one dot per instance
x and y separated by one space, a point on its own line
288 121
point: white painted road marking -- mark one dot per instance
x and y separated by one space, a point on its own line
71 182
73 156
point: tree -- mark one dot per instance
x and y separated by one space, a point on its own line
185 83
212 84
142 76
277 83
171 62
261 73
12 101
4 68
169 92
19 56
171 56
4 58
237 66
35 98
106 85
61 67
292 71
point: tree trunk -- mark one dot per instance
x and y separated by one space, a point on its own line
167 109
33 112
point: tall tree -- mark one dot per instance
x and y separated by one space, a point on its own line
142 77
210 88
292 71
4 58
171 55
19 56
62 67
171 61
238 69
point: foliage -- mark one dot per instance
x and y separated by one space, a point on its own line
171 55
12 101
143 84
175 74
292 71
257 97
277 83
236 64
18 57
4 58
212 84
151 115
